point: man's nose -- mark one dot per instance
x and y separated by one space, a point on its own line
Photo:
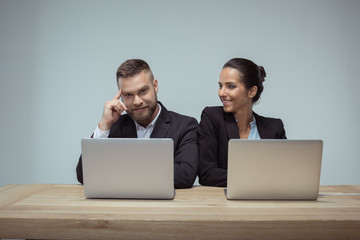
137 100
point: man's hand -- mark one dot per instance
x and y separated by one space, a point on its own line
112 112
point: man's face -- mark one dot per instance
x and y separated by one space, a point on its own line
139 95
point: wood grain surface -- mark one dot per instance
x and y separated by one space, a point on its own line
49 211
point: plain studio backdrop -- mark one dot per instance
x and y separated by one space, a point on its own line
58 61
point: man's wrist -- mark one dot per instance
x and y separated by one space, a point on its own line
103 126
98 133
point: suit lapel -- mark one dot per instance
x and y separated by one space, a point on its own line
129 129
230 125
262 127
162 124
233 131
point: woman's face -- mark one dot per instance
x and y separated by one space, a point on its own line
232 92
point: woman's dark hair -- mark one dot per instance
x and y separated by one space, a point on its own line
251 74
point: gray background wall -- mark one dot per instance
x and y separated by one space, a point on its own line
58 61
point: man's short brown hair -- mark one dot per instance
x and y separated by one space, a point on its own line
132 67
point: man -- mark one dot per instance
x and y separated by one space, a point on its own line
148 118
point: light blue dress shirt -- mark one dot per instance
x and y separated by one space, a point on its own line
254 133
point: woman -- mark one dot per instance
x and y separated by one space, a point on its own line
240 86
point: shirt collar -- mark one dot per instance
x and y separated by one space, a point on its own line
253 123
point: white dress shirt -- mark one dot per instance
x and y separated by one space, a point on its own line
140 130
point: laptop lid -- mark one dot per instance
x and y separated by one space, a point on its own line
274 169
128 168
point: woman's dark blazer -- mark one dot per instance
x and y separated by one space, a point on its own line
215 130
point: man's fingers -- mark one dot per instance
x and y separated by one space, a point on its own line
119 105
118 95
123 105
116 105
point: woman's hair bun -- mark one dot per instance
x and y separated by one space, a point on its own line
262 73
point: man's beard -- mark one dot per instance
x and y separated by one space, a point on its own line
143 118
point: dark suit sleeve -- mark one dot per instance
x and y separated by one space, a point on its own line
282 134
79 168
186 156
210 173
79 171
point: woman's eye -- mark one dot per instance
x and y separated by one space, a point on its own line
232 86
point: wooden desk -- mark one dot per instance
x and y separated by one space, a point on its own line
61 212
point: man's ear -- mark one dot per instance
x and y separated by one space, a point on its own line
252 92
155 84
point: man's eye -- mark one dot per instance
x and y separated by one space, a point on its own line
143 91
220 85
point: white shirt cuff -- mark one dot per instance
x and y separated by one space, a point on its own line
100 134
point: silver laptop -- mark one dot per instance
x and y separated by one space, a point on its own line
128 168
274 169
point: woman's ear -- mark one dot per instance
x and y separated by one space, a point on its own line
252 92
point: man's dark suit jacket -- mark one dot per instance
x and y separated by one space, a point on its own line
215 130
180 128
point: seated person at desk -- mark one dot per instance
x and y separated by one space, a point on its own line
240 86
148 118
